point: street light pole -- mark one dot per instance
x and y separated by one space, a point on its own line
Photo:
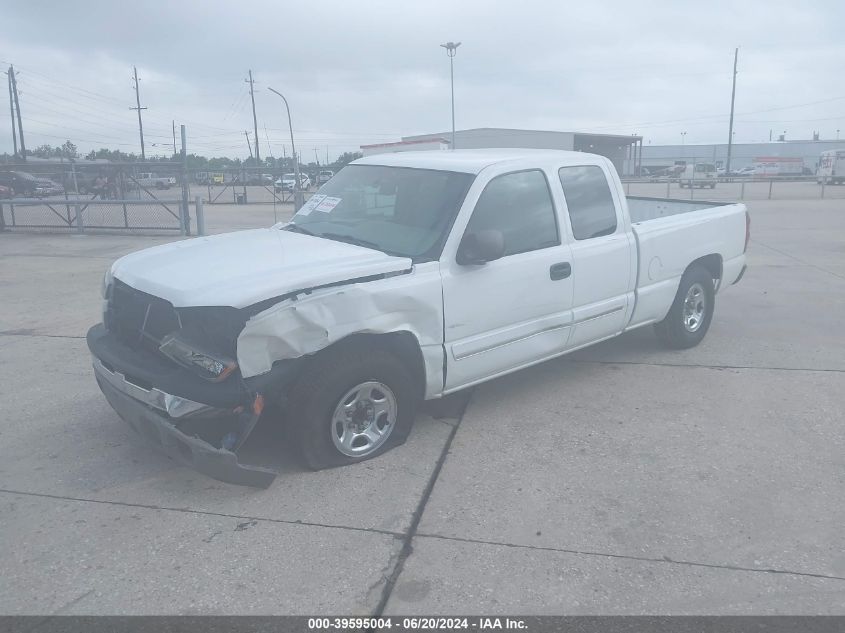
451 50
683 138
298 198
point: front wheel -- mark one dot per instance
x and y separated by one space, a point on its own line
351 405
692 310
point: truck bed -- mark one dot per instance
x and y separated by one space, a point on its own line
644 209
671 233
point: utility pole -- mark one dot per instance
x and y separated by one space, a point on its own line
731 124
139 108
174 137
12 111
246 134
186 216
254 119
18 110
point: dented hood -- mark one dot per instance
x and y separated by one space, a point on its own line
242 268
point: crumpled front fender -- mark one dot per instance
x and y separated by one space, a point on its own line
309 323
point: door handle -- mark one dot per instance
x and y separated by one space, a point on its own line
561 270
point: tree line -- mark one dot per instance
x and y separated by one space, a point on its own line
68 151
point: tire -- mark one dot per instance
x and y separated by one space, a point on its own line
685 326
317 399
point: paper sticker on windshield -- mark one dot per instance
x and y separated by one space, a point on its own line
327 204
309 206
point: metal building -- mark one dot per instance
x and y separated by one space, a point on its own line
623 151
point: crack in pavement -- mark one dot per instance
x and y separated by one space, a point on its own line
35 334
700 366
407 539
224 515
646 559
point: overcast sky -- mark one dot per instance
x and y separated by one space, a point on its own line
369 72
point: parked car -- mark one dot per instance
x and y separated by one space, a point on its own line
5 192
22 184
151 181
698 175
408 277
46 187
287 181
324 176
259 179
745 172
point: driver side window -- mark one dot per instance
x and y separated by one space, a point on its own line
520 206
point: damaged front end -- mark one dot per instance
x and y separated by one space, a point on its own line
151 363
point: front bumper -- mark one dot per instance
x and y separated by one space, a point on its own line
177 423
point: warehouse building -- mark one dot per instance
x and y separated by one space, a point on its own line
627 153
623 151
657 157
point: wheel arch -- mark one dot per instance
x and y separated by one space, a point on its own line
403 344
712 263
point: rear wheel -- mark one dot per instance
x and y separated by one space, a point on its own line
689 318
351 405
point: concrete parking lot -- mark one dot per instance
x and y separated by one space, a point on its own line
624 479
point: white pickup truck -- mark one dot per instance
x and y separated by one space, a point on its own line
406 277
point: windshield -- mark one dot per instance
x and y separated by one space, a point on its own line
398 210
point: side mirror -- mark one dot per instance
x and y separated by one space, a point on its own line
481 247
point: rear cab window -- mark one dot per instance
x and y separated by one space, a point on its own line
592 212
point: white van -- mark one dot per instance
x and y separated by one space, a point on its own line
698 175
832 167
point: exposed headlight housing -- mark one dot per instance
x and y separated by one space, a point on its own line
211 366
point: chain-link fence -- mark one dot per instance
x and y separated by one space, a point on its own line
721 188
253 185
85 195
86 215
750 175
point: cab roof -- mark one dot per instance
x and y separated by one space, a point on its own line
472 161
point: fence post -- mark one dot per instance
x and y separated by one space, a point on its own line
200 215
742 191
668 185
822 188
2 217
771 182
80 227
